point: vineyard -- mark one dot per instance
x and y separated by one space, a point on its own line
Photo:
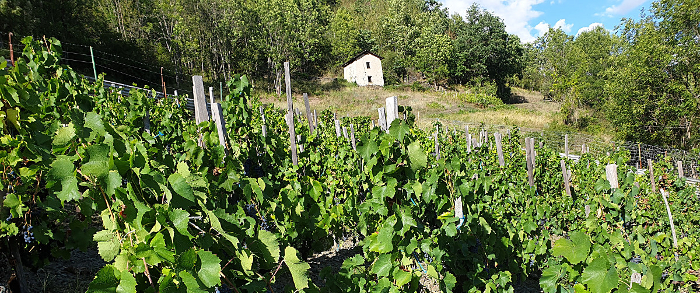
170 208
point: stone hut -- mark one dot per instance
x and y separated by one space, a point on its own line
364 69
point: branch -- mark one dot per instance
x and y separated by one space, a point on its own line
148 274
229 282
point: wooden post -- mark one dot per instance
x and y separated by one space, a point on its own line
290 114
392 110
264 126
670 219
308 113
218 115
352 137
583 149
437 144
382 119
651 175
499 149
12 54
147 123
345 132
292 136
19 268
680 169
611 174
529 161
566 146
337 128
200 104
301 146
162 81
639 151
288 83
211 96
565 174
315 120
533 152
469 142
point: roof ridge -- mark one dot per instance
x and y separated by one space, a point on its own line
358 56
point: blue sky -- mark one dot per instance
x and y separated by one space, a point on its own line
531 18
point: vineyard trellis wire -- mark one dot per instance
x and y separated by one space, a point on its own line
639 153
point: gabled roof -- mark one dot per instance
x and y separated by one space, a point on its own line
360 56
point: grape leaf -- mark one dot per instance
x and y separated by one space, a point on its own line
180 219
549 278
107 245
399 130
316 189
297 268
106 280
599 276
401 277
64 135
367 149
417 155
191 283
382 243
181 188
210 270
574 250
94 122
127 284
382 266
98 164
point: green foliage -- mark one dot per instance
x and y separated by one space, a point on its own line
643 79
484 49
179 214
654 92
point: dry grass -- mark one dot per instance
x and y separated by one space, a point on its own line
532 113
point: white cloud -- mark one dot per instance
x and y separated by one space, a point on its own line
589 27
563 25
542 28
516 14
623 8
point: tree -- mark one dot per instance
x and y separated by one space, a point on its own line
654 95
433 54
596 48
484 48
294 31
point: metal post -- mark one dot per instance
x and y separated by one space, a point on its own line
221 90
94 69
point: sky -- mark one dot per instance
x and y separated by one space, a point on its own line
529 19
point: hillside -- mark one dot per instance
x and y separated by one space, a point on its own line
454 107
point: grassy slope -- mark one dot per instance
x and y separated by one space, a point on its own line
532 113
